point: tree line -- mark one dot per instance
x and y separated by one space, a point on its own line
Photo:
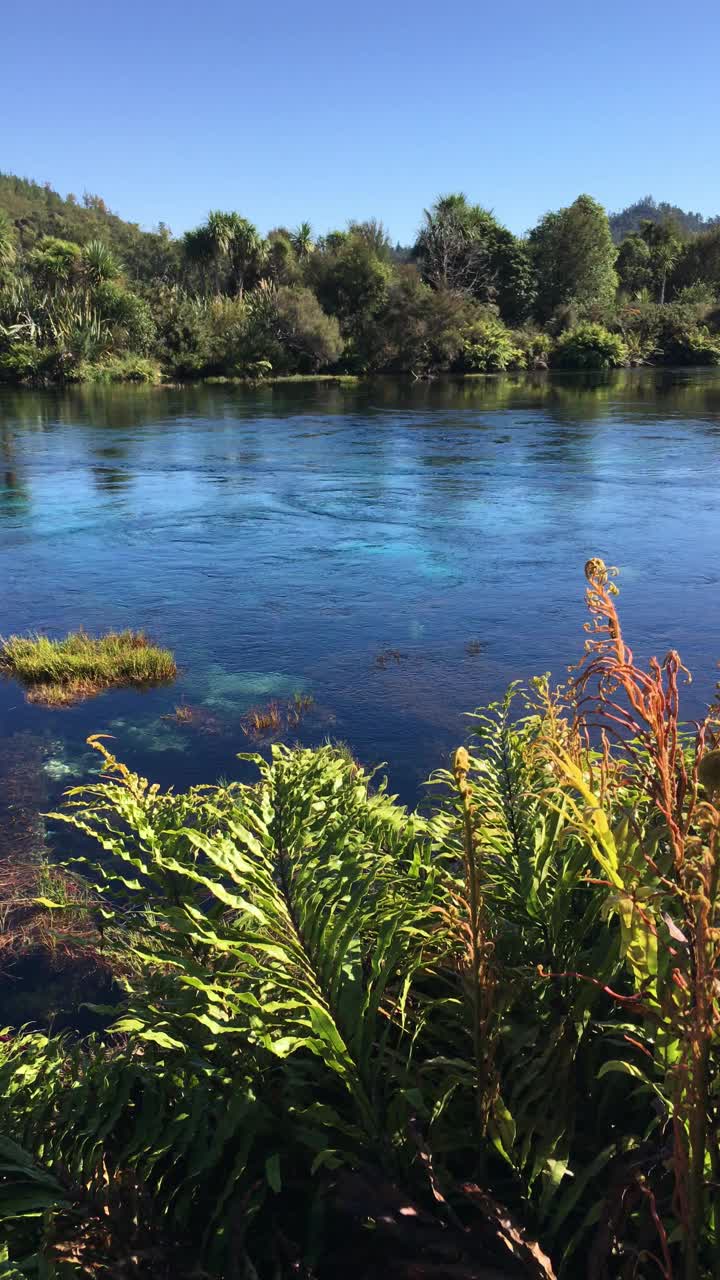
87 297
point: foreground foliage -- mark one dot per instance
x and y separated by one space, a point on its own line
357 1040
57 672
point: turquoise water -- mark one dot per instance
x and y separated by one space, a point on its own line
284 539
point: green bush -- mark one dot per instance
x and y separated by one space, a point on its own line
23 361
537 347
288 327
488 347
695 345
590 346
676 331
700 294
130 316
118 368
184 332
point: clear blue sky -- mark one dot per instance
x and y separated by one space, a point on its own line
328 111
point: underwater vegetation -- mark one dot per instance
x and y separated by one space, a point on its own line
387 657
275 717
60 672
196 717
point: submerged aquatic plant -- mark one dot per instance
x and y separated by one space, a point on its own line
196 717
298 706
274 717
388 656
60 672
262 720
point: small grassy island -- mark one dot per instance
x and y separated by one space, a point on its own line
60 672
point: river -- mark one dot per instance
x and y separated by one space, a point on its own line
396 552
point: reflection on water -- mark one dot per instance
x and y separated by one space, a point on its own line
281 538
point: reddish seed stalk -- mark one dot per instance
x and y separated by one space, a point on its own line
647 723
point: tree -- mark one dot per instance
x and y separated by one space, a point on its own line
633 265
280 258
289 328
227 251
574 257
664 245
54 263
302 241
374 235
699 262
420 329
349 278
462 247
450 248
99 263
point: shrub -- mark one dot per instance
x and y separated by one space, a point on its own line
288 327
419 330
20 361
488 347
699 294
130 316
119 368
676 331
184 332
536 346
590 346
693 344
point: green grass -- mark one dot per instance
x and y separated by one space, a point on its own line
59 672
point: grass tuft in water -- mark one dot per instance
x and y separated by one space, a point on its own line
276 717
60 672
261 720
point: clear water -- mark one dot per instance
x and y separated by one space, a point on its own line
280 539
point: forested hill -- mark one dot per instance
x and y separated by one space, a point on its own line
630 219
37 210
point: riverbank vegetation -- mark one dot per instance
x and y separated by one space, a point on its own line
85 297
60 672
478 1039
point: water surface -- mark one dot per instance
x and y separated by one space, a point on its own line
282 539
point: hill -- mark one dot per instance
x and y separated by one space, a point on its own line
628 220
37 210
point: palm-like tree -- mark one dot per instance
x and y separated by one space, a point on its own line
302 241
227 249
55 263
99 263
664 243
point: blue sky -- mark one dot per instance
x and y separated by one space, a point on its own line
328 111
